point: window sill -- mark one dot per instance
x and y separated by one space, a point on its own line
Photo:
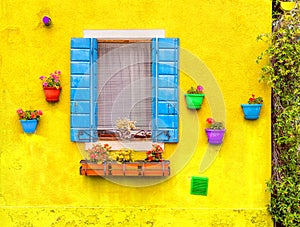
136 145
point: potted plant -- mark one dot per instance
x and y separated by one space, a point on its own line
29 119
154 164
102 162
51 86
252 109
155 154
98 153
216 131
124 126
194 97
124 155
287 6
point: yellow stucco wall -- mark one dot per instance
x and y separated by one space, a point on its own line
40 183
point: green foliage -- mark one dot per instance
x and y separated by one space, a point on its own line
284 205
282 74
216 125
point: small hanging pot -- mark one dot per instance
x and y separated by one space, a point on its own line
52 94
29 126
194 101
215 136
251 111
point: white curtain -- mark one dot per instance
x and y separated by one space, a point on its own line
124 84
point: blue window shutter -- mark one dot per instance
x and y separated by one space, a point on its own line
165 62
83 118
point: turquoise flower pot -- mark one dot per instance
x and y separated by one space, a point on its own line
251 111
29 126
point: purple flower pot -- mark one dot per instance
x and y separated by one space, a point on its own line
46 20
215 136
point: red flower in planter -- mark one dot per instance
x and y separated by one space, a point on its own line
254 100
214 124
210 120
149 158
52 80
29 114
155 154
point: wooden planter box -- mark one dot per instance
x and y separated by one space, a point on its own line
138 168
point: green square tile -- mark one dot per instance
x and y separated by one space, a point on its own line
199 186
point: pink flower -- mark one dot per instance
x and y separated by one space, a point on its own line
42 77
45 84
22 115
29 114
19 111
199 88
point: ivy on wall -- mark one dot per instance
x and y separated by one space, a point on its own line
282 74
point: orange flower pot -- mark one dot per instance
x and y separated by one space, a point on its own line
52 94
138 168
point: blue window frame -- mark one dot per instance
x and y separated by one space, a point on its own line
84 89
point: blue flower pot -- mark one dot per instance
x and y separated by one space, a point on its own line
251 111
29 126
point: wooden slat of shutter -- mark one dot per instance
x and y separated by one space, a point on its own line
83 90
165 56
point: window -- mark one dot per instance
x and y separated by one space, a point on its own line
124 85
84 106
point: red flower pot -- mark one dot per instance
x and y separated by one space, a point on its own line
52 94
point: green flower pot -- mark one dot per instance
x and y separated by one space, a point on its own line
194 101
